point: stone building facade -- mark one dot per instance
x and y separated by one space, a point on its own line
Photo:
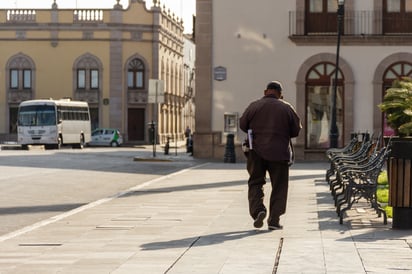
106 57
242 45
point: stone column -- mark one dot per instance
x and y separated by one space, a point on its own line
117 101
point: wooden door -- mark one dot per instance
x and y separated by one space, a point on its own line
397 16
136 124
321 16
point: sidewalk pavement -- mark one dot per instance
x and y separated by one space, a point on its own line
196 221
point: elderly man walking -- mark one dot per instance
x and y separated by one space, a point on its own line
271 123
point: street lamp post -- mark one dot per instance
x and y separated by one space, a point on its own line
334 132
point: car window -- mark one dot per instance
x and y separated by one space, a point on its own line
109 131
97 132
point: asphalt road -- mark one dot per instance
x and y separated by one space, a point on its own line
38 184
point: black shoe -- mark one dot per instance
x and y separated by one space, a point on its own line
258 223
275 227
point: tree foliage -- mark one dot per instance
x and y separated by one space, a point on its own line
397 106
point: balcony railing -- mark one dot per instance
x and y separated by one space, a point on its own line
21 15
356 23
79 16
88 16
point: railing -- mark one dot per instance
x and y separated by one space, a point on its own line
356 23
21 15
88 16
79 16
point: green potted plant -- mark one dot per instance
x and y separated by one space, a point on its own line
397 107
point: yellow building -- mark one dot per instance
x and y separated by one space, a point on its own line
103 56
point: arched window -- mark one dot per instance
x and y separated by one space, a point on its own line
136 74
393 72
88 84
396 71
20 73
87 73
319 90
20 77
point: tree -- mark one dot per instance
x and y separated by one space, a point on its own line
397 106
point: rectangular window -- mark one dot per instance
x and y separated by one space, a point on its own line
14 78
94 79
408 5
81 78
332 6
318 114
393 5
139 79
130 79
27 78
231 122
316 6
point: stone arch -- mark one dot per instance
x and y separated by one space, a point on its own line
89 93
301 89
135 101
88 60
146 68
13 96
20 61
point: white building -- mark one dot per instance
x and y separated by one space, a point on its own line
189 54
242 45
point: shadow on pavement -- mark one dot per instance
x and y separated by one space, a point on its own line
211 239
38 208
184 188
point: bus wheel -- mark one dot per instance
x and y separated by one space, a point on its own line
24 147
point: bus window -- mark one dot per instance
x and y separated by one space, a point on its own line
37 116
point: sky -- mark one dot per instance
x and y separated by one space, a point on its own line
181 8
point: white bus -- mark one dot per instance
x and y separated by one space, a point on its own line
53 123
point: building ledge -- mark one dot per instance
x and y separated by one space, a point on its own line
352 40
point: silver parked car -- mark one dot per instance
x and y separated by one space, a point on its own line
106 137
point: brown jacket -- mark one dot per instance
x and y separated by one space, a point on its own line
273 122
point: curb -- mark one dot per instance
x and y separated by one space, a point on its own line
138 159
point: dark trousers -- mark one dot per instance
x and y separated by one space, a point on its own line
279 177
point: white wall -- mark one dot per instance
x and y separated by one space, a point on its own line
253 46
252 43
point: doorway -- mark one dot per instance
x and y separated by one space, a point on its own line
136 124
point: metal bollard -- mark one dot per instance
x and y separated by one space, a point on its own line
230 156
167 145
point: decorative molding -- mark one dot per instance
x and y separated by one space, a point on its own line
21 35
358 40
20 61
88 35
17 96
137 97
90 96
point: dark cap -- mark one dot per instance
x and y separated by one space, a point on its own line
275 85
